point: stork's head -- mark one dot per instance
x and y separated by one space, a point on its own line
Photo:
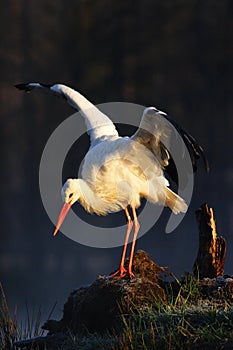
70 191
70 194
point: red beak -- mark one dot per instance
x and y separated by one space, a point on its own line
62 216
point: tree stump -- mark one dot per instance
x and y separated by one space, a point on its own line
212 248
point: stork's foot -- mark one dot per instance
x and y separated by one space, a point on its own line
122 272
130 274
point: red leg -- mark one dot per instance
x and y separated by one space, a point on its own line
136 229
121 272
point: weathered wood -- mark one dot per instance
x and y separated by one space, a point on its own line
212 248
49 342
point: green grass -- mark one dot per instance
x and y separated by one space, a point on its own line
186 328
171 329
185 321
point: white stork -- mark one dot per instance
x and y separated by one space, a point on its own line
118 171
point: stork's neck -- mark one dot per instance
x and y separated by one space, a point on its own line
90 200
98 124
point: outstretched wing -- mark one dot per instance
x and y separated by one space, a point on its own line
99 126
154 132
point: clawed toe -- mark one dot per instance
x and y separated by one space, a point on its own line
122 272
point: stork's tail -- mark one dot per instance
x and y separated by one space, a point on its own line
175 202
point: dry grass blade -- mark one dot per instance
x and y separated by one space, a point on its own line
8 326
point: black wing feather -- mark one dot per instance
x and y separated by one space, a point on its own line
195 150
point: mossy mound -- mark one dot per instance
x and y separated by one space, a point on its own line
99 306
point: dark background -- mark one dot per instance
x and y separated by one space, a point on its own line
174 54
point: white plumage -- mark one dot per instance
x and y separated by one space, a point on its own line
119 171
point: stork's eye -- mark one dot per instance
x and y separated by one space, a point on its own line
70 195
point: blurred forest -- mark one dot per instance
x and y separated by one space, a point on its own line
174 54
